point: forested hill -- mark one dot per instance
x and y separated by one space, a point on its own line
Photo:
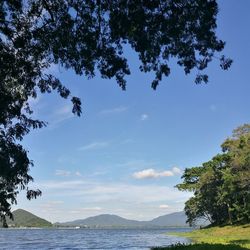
104 220
177 219
24 218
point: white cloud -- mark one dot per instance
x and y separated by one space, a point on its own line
60 172
152 173
89 211
77 173
136 164
60 115
61 185
144 117
117 110
56 202
163 206
177 170
92 208
37 104
34 101
51 204
67 160
94 145
106 192
66 173
98 173
66 109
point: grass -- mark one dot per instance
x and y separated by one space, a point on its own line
203 246
215 238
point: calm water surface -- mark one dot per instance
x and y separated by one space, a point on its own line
39 239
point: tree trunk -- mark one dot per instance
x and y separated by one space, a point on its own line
229 214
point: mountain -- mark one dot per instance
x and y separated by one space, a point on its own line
177 219
23 218
104 220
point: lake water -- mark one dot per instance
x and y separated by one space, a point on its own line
39 239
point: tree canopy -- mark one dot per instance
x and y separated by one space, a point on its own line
221 186
88 37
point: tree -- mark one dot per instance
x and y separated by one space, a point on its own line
221 186
88 36
237 178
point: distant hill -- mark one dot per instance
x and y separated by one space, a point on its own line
104 220
177 219
23 218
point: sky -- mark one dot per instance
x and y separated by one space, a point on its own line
128 150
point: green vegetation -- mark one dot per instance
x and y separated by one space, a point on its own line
201 247
221 186
23 218
216 238
239 235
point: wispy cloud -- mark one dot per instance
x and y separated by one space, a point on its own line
127 141
65 110
152 173
60 172
37 105
88 198
116 110
60 115
106 192
34 101
51 206
94 145
92 208
86 209
164 206
99 173
136 164
177 170
144 117
77 173
66 173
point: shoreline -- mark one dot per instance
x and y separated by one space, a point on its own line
214 238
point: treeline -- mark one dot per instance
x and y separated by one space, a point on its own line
221 186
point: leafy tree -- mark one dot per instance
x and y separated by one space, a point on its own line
237 178
221 186
88 36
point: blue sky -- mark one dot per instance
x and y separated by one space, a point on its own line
126 152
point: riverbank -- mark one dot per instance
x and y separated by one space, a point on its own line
216 238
